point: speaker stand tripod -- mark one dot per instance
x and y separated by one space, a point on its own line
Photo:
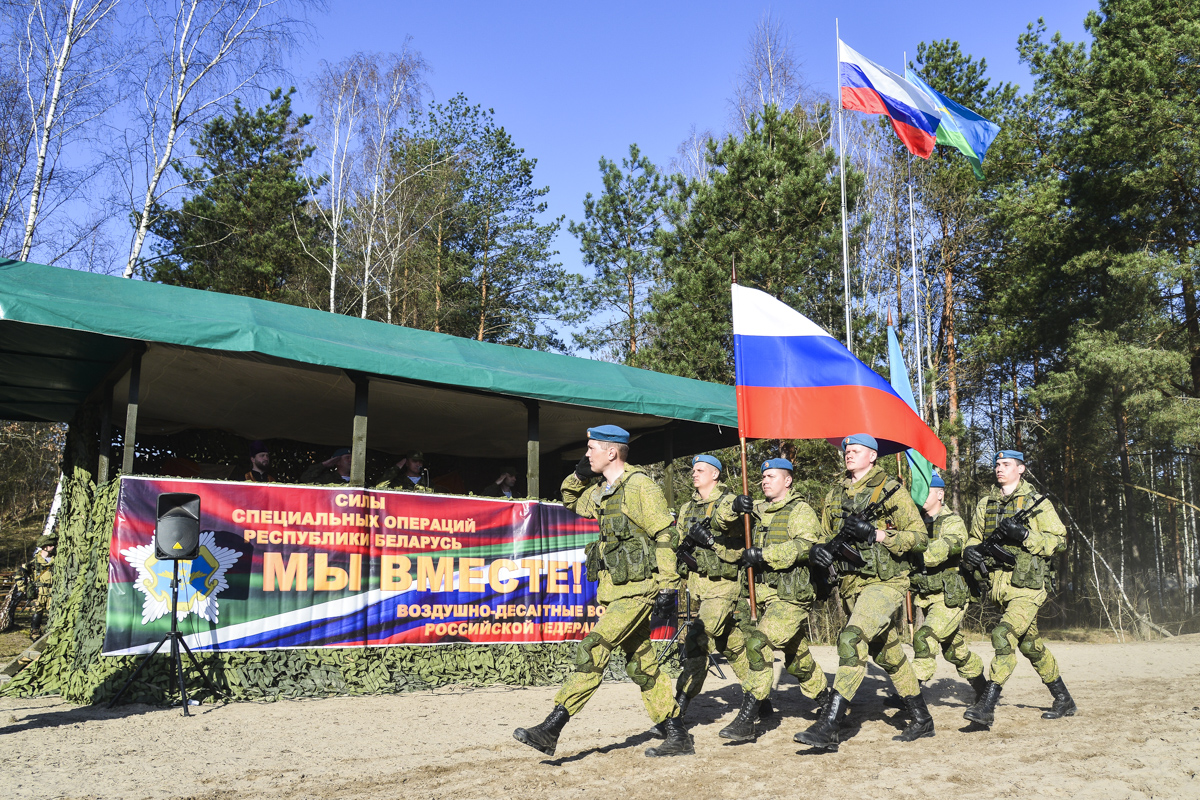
680 638
177 641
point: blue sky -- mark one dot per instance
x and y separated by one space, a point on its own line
574 81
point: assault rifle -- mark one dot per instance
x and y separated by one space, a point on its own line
993 546
854 528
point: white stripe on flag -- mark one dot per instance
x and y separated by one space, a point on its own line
757 313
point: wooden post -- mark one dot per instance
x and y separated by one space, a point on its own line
131 414
533 449
358 450
749 540
104 459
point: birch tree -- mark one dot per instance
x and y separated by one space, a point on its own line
198 56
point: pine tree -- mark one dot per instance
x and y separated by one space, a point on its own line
245 230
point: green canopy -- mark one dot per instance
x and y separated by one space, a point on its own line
263 369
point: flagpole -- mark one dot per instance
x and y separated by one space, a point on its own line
912 236
842 171
746 491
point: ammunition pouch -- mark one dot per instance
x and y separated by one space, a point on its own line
709 564
878 562
592 563
1030 571
947 580
627 560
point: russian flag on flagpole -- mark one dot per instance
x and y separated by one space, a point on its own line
868 87
795 381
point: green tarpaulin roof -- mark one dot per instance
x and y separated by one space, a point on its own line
256 367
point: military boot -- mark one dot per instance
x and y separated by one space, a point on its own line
823 734
984 710
742 727
920 723
765 709
35 625
678 742
979 684
544 737
659 731
1063 706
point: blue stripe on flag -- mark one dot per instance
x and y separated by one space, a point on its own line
800 362
855 78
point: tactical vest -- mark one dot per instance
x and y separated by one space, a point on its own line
792 583
1030 571
707 562
945 577
624 549
879 562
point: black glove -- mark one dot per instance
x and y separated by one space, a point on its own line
665 605
820 556
859 529
701 534
584 470
752 557
1012 531
742 504
973 557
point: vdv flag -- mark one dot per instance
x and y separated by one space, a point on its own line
867 87
960 127
919 467
795 381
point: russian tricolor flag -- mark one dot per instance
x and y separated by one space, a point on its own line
870 88
795 381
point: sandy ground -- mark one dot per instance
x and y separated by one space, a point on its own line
1137 736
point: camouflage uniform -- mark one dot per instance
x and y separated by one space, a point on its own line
397 479
716 584
41 572
940 589
784 596
872 594
1021 589
636 531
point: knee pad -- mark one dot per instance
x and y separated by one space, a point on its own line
1002 639
796 667
948 648
1032 648
921 648
891 659
643 679
847 647
585 660
755 643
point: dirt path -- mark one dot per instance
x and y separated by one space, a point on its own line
1138 736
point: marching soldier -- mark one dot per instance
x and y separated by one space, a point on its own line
39 572
871 593
1020 588
783 537
710 524
634 562
940 588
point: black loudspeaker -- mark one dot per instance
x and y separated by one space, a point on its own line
177 531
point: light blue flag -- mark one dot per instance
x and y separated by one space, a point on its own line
960 127
919 466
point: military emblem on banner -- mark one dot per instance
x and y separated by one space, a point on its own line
200 580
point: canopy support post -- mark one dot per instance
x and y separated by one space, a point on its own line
669 471
533 450
358 451
131 414
104 448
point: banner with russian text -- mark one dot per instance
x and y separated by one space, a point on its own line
298 566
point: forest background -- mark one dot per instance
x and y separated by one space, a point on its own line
1056 297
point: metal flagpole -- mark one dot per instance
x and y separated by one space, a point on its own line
842 170
746 491
912 235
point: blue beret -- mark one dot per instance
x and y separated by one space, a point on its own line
1013 454
777 463
865 439
704 458
341 451
609 433
936 482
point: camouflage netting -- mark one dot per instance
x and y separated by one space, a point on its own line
71 664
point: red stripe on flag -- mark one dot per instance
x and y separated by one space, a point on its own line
827 412
918 142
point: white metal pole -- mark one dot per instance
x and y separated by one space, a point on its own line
842 171
912 235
